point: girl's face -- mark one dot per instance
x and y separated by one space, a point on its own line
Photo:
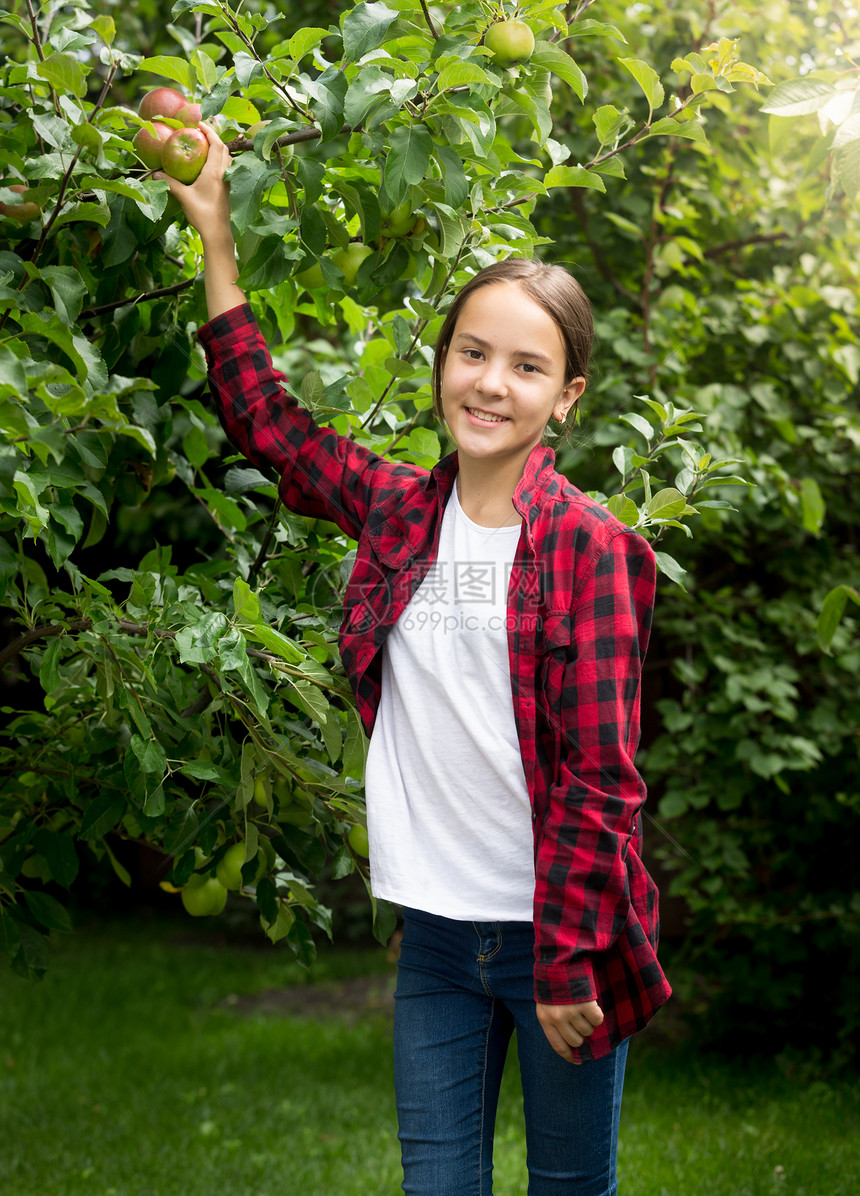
503 375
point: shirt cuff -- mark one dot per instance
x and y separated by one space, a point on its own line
569 985
236 322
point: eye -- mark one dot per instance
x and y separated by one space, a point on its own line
530 368
477 354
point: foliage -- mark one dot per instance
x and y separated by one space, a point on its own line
727 277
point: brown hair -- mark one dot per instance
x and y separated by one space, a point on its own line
553 289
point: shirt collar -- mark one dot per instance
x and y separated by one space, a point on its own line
539 465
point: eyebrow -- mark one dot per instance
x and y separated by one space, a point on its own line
541 358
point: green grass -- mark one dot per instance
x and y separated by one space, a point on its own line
129 1072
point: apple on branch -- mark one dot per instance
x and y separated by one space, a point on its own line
149 143
510 42
163 101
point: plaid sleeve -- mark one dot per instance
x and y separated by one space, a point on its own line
583 896
321 473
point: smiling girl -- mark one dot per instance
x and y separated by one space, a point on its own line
495 625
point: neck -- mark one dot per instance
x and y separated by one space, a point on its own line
486 490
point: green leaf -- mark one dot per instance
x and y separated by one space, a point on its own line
462 74
105 28
647 78
678 128
408 160
832 610
799 97
87 360
276 642
667 503
150 755
197 643
670 567
624 509
246 604
47 910
303 42
573 176
102 815
640 424
364 28
553 58
812 505
64 73
311 700
171 68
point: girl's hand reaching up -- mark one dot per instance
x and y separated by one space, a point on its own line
206 201
206 204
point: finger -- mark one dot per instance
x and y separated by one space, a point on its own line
211 133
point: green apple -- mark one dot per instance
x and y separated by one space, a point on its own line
163 101
184 154
399 220
358 840
150 145
229 870
510 42
311 278
204 895
348 260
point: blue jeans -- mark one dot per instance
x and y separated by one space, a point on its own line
462 989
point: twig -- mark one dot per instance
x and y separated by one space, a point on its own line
173 289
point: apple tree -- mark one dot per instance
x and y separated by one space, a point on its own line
170 667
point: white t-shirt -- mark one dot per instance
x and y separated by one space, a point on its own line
449 816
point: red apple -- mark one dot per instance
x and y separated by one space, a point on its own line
23 213
149 146
184 154
164 101
189 114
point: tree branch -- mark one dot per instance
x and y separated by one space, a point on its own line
174 289
43 631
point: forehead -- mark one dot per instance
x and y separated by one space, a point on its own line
506 317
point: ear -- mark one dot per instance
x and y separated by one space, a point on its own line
568 399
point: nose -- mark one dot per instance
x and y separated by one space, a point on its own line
491 379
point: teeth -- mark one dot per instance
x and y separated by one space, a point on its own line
490 419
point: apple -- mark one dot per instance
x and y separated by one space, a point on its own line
189 114
164 101
348 260
510 42
260 792
229 870
358 840
150 146
204 895
311 278
23 213
399 220
184 154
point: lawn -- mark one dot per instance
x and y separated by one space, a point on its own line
155 1060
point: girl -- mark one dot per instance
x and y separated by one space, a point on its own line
495 625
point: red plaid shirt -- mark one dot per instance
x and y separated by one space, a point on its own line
579 614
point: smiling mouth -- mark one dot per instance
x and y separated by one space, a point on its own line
486 417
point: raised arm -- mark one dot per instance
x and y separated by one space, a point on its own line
321 473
